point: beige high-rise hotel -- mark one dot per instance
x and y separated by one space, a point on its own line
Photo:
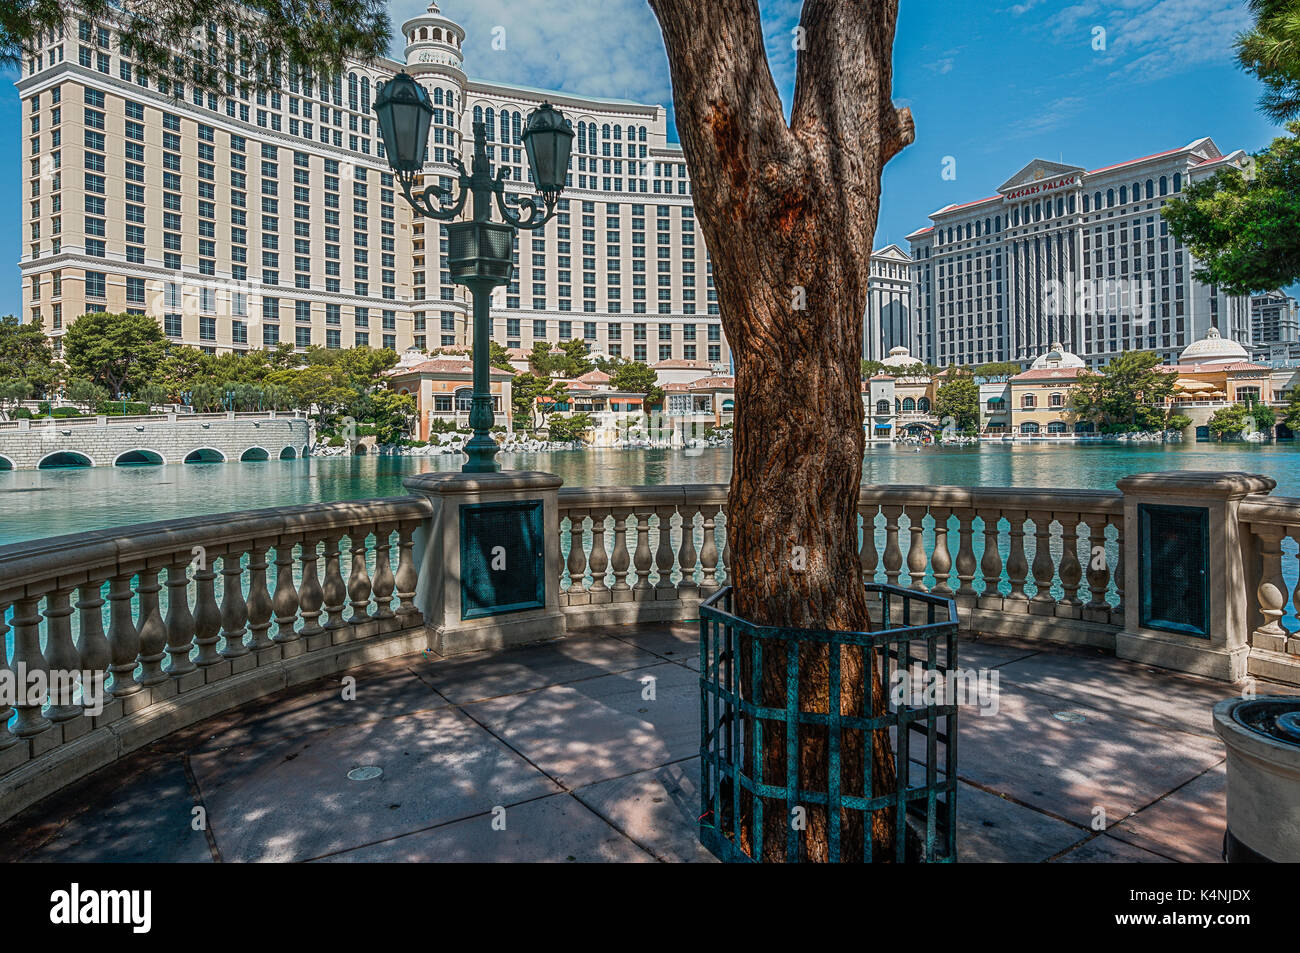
241 219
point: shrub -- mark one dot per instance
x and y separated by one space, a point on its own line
20 412
113 408
335 441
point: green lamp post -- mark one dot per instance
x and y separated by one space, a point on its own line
479 251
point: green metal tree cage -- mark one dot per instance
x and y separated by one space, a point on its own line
914 652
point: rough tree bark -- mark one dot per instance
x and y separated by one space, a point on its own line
789 214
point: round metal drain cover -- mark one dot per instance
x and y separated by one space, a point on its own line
367 773
1069 716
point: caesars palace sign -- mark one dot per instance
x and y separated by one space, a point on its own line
1039 188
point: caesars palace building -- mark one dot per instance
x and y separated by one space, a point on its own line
1066 255
243 219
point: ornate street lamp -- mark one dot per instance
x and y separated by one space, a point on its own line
480 251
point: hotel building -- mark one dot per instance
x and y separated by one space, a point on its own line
1274 319
1064 255
244 218
888 323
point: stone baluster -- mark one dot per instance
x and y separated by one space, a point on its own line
1017 565
577 561
123 638
92 643
310 595
1070 571
153 631
62 655
620 560
724 561
1272 600
991 560
384 581
1043 567
234 610
334 591
1293 643
259 601
359 586
642 559
916 558
28 660
941 558
664 551
285 600
686 553
893 558
709 552
7 738
180 621
868 557
207 616
599 557
966 565
407 577
1119 569
1098 572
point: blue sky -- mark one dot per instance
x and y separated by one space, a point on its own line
992 84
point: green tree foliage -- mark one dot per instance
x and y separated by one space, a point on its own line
1271 52
389 412
1243 228
525 388
569 360
871 368
634 377
498 356
572 427
122 352
13 391
265 35
86 394
1242 419
998 371
26 355
1128 395
959 400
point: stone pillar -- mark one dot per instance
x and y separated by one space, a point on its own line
497 599
1222 652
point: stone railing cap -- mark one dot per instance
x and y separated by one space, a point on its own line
1226 484
455 481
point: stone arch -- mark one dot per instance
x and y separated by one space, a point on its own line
359 450
64 460
205 455
139 457
254 455
6 463
288 453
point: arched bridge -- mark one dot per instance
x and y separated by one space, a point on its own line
151 440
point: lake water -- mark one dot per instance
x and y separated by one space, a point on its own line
38 503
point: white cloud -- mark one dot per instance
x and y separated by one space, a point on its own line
1050 117
610 48
1148 39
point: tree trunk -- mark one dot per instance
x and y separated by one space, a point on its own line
789 213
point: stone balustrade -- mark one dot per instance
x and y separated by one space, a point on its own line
1016 561
169 623
124 635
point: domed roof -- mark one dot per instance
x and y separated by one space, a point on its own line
1057 357
899 357
1213 349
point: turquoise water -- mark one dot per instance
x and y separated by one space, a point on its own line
38 503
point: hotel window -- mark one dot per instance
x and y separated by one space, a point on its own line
95 284
207 329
